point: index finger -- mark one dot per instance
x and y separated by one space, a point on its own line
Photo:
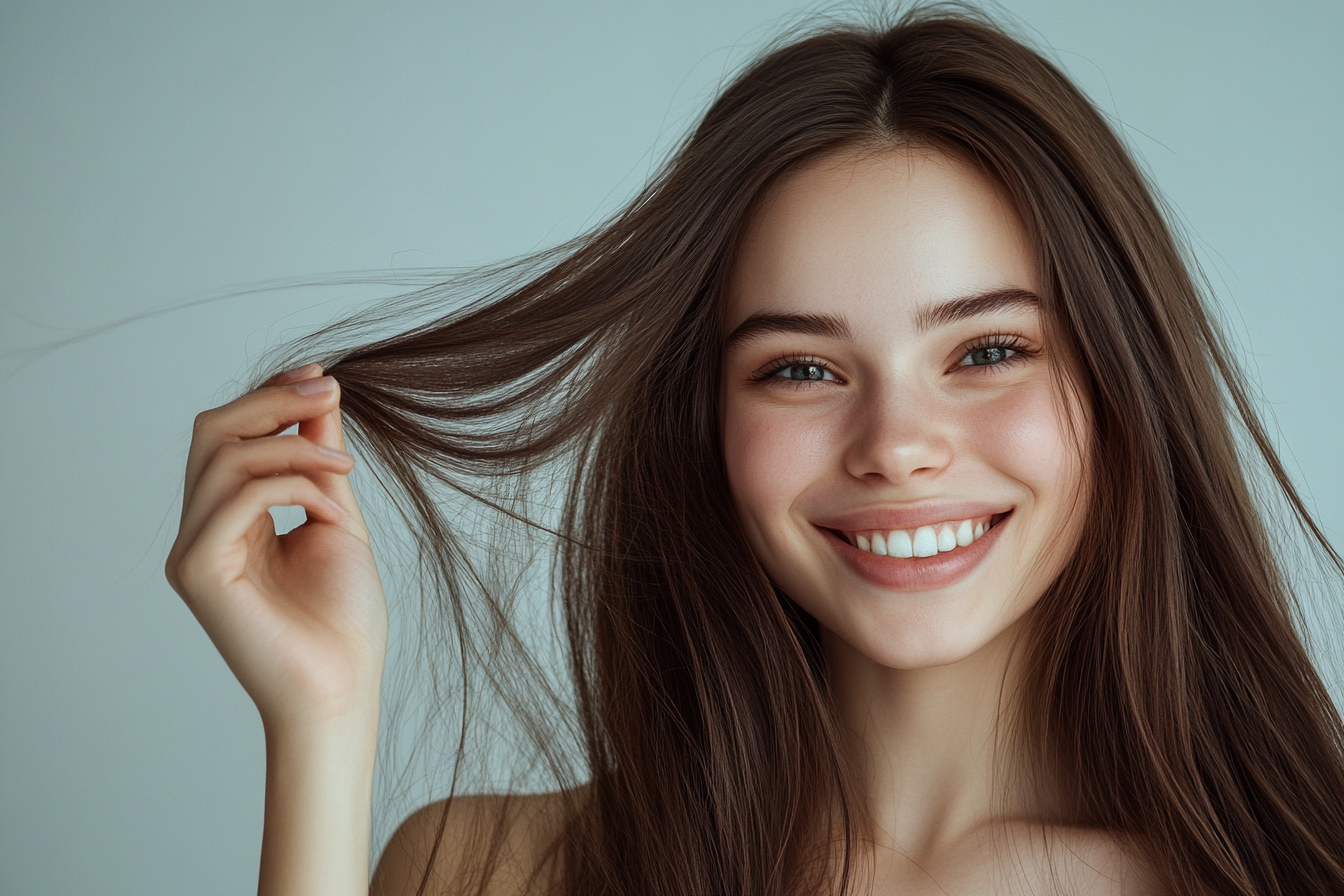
294 374
286 377
265 411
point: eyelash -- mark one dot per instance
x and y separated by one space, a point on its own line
772 370
1012 342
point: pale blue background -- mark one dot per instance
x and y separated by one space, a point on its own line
155 152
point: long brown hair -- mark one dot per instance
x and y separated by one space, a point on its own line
1171 699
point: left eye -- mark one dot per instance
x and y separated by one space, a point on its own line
806 373
987 356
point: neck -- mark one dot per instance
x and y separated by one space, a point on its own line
931 745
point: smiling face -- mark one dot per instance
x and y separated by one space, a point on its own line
895 444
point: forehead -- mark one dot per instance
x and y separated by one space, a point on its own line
878 234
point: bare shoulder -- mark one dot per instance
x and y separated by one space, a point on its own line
495 844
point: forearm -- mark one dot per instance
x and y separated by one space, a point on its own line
319 792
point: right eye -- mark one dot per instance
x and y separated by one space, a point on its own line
797 371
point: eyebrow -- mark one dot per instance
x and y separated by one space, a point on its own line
945 313
927 318
763 323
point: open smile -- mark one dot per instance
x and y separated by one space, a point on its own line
922 541
923 558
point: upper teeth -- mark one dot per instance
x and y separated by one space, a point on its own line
924 541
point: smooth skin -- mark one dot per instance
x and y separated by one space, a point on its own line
300 618
903 416
899 406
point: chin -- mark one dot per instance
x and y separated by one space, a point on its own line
928 654
913 640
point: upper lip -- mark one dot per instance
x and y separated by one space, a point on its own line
910 516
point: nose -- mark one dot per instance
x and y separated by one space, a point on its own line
899 436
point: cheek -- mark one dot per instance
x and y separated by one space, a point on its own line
771 457
1026 436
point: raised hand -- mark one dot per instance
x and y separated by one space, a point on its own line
300 618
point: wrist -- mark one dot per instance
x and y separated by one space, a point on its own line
319 790
322 727
340 709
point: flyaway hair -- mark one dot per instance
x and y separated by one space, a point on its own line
1171 699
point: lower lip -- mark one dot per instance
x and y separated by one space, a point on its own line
918 573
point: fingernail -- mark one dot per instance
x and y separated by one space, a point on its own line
313 387
299 371
333 452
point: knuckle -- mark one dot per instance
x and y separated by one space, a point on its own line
189 571
288 455
306 447
222 461
170 572
227 450
254 489
292 442
203 421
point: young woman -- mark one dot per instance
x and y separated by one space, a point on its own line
909 542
